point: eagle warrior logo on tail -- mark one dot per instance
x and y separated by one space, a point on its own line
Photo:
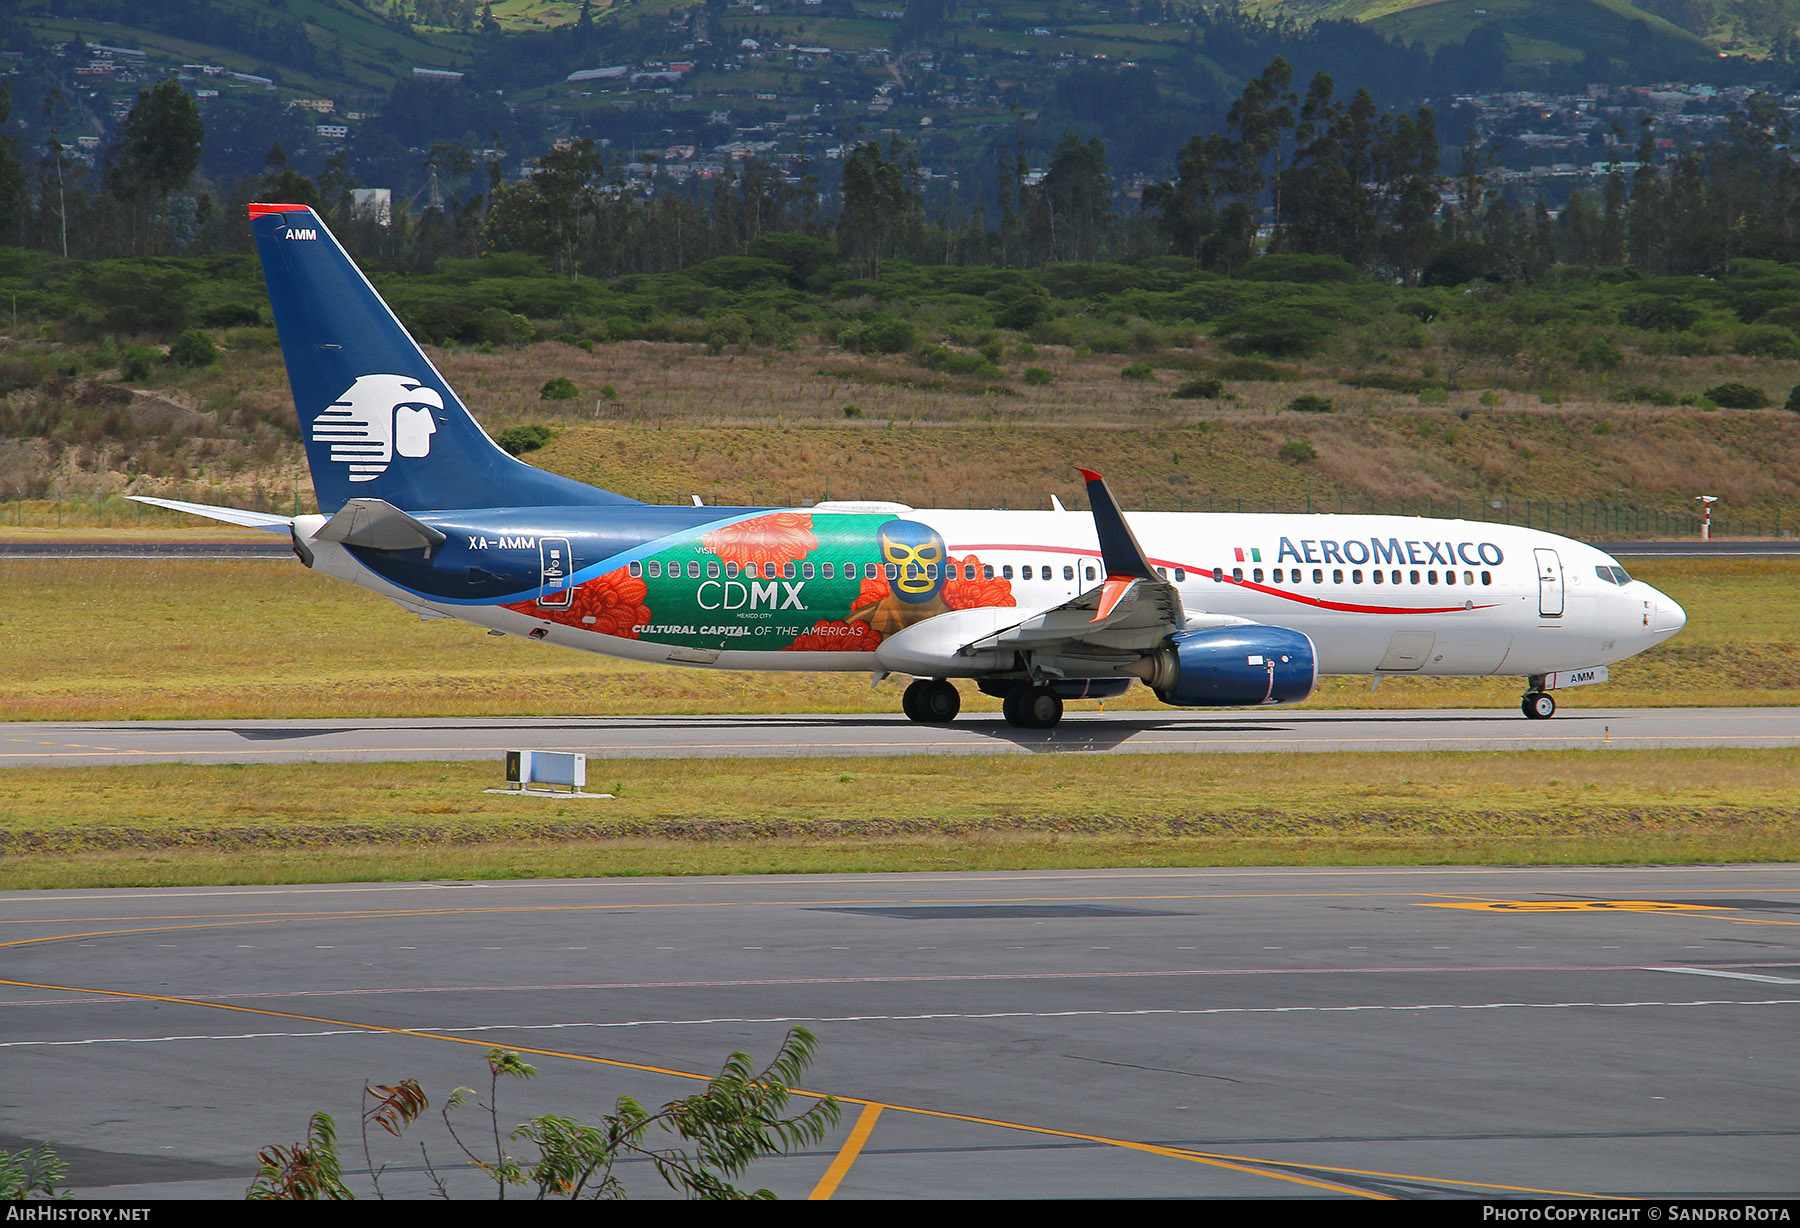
377 418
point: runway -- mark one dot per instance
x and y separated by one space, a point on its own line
1435 1032
81 743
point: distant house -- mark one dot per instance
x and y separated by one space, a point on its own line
437 74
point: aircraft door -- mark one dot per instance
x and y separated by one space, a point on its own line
556 573
1550 583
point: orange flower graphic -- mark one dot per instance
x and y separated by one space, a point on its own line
780 537
611 604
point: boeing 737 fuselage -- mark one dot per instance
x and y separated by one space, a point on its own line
419 505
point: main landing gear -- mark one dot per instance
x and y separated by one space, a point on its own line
1538 705
931 702
1032 707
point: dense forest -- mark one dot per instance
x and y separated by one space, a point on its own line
1297 169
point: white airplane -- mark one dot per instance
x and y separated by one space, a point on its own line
1037 608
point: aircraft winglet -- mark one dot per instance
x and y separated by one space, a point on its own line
1119 550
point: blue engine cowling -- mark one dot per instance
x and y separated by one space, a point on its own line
1232 667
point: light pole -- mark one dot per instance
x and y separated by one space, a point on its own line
1706 502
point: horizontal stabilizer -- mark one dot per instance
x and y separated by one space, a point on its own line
375 524
230 515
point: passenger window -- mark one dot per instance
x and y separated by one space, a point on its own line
1256 575
931 571
893 571
1487 577
1006 571
731 571
712 569
1091 573
1396 576
1218 575
1237 573
806 570
987 571
1164 573
693 569
1337 575
1319 576
1431 576
870 571
828 571
655 569
1415 577
1356 576
1069 572
1375 576
1468 577
635 570
1449 577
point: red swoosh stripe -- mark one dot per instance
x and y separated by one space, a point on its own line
1320 603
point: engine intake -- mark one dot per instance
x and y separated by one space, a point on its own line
1232 667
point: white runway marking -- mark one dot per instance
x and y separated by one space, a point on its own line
810 1020
1735 976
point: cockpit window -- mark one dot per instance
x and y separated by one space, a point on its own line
1612 575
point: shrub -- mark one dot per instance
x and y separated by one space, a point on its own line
1737 396
1387 381
852 411
193 349
1248 369
1434 394
1298 451
1038 377
1140 371
1767 341
562 388
520 439
138 362
1793 401
1602 355
1653 395
1276 330
1306 403
608 393
1203 386
884 333
952 362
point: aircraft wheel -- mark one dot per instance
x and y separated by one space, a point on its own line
912 700
1538 705
1033 707
938 702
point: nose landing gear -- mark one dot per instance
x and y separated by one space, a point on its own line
1538 705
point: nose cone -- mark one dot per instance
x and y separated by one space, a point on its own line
1666 617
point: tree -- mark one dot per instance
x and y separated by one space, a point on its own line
12 175
740 1117
157 151
1077 195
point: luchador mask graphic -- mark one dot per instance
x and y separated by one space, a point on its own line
918 551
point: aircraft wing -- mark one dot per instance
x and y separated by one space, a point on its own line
230 515
1133 609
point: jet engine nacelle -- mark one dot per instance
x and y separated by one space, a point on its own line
1232 667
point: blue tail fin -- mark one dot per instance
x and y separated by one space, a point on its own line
378 420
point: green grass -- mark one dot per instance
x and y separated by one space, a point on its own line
137 640
181 824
